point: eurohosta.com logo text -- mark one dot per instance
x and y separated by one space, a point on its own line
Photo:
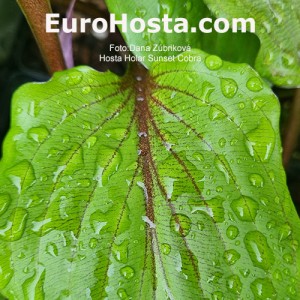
152 25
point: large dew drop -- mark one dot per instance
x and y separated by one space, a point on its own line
109 161
38 134
234 284
232 232
213 62
52 249
217 112
33 286
15 225
97 222
256 180
228 87
206 90
223 166
5 200
260 141
259 250
231 256
120 251
74 78
245 208
180 224
254 84
122 294
262 288
127 272
21 175
213 208
6 270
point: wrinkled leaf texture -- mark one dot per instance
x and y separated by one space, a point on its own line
164 184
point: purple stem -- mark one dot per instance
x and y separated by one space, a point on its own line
66 38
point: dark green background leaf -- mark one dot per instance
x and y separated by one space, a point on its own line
275 57
165 184
234 47
10 17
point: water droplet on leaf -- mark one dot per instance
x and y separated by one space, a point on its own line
222 142
271 224
140 12
127 272
268 57
15 225
277 275
91 141
234 284
74 77
260 141
33 286
86 90
259 250
206 90
254 84
180 224
188 5
245 272
198 156
97 222
232 232
93 243
213 62
166 249
38 134
217 296
123 294
52 249
120 252
262 288
228 87
231 256
6 269
217 112
256 180
285 231
245 208
5 201
213 208
288 258
223 166
288 60
21 175
267 26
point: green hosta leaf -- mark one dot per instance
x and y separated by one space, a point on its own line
243 46
165 184
157 9
277 26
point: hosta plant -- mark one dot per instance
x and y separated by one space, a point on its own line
165 183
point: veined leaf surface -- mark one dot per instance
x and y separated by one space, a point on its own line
164 184
278 28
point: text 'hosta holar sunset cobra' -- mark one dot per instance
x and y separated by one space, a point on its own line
162 184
